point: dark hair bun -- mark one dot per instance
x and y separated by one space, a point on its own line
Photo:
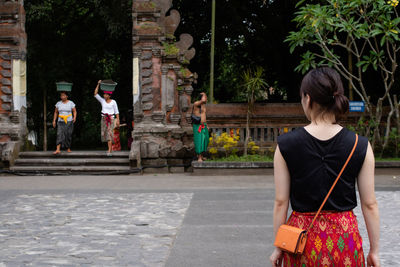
325 87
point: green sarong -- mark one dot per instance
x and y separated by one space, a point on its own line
201 137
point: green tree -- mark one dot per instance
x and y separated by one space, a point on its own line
365 32
254 86
82 42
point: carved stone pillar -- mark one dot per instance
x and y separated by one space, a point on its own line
12 80
161 85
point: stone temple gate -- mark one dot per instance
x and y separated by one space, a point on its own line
162 85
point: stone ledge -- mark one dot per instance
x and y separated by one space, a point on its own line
265 168
387 164
231 165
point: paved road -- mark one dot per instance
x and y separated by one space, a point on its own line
153 220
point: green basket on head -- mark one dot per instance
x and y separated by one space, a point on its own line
108 85
64 86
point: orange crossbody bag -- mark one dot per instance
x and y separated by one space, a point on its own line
292 239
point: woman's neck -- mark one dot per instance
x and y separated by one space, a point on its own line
324 120
64 101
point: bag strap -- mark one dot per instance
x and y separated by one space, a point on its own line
337 179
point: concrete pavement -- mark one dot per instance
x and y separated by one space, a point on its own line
154 220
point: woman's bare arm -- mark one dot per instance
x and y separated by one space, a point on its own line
282 189
55 116
369 205
96 90
74 114
281 204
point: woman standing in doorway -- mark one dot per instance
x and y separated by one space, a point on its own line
306 164
65 115
109 117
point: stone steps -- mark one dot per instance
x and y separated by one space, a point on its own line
88 162
72 162
74 154
70 168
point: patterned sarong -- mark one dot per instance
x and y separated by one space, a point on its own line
117 141
200 137
334 240
64 134
107 128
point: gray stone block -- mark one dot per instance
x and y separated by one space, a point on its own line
5 81
153 150
147 98
147 56
6 98
176 169
156 170
5 65
6 73
154 162
147 90
5 56
175 161
146 64
6 90
147 81
147 106
147 73
6 107
184 103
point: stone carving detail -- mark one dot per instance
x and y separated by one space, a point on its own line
184 102
147 64
6 98
6 73
6 65
172 22
175 117
6 90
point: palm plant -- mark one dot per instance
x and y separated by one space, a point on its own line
254 86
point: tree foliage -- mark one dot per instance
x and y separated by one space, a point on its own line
249 33
365 32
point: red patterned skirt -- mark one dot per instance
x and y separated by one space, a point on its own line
334 240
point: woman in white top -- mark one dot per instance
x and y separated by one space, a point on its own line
109 116
65 111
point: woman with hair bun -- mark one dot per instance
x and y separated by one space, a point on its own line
307 162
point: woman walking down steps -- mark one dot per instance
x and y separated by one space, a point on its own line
109 117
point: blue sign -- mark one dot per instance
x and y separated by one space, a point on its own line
357 106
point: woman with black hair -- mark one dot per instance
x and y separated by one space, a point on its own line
307 163
65 115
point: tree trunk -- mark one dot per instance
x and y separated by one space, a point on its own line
376 138
350 62
44 120
246 142
397 113
388 128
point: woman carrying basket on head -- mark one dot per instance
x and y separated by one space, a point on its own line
307 162
64 118
109 116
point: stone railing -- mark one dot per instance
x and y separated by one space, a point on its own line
268 121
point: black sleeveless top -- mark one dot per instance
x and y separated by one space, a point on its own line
314 165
